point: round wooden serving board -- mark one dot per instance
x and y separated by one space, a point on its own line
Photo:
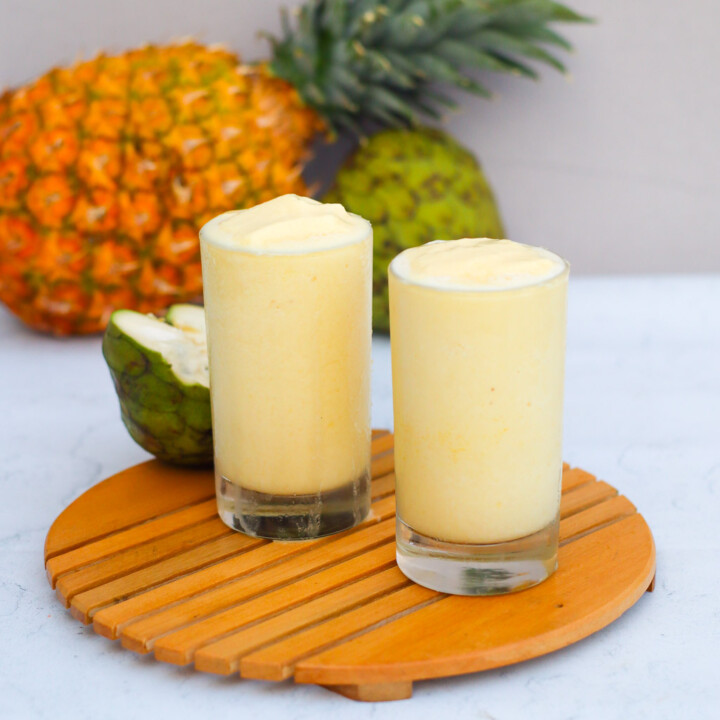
145 559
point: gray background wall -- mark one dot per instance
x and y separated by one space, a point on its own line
617 168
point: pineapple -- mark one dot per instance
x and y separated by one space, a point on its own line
108 168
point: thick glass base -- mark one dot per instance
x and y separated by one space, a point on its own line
488 569
292 517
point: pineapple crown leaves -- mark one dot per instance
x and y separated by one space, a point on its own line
384 59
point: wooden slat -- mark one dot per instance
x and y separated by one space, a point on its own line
179 647
585 496
223 656
595 517
383 464
379 490
126 561
151 530
277 661
140 636
135 495
383 486
382 444
84 605
571 478
568 606
109 620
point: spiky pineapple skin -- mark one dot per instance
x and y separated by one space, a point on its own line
109 168
414 186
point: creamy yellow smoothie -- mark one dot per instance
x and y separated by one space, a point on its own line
287 287
478 347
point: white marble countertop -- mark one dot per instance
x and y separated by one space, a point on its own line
642 411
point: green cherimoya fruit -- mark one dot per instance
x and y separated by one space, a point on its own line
414 186
160 371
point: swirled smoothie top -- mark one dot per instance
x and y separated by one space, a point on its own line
286 225
477 264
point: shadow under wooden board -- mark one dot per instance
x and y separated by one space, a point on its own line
145 559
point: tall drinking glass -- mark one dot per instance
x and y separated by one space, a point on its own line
478 346
287 288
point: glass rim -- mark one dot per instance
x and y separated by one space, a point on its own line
354 240
563 272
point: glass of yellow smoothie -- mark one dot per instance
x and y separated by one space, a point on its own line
477 331
287 287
